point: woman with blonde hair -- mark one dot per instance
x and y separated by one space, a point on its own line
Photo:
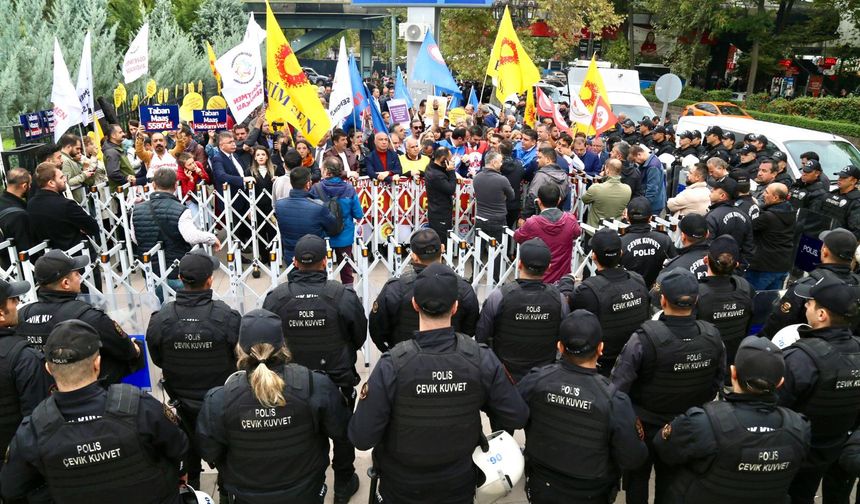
271 410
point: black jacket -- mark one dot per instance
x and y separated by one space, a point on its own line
441 186
725 218
513 170
631 176
61 221
773 232
15 225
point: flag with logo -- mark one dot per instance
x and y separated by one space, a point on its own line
135 64
603 118
211 54
340 100
253 31
241 71
546 108
592 89
67 105
291 95
530 116
361 102
430 67
512 70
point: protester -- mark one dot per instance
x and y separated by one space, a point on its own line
696 197
557 229
53 217
301 213
653 178
773 233
382 162
609 198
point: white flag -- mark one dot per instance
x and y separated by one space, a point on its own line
85 82
241 72
67 106
579 113
136 62
253 31
340 100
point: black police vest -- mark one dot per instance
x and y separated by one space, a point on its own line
570 414
837 206
407 320
676 374
750 467
195 352
85 461
10 407
624 305
526 327
835 400
258 435
311 323
37 320
729 311
436 416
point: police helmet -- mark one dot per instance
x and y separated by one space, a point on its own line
191 496
787 335
500 463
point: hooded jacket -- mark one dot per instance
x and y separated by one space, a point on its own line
773 232
350 207
558 230
549 174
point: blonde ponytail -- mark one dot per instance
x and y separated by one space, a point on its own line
266 385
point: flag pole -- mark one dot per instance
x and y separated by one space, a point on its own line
482 89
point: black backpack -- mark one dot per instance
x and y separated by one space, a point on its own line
333 206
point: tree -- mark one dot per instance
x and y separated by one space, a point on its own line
127 15
466 40
221 22
174 58
26 49
567 18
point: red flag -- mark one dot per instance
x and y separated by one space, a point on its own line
546 108
603 118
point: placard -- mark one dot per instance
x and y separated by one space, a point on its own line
398 110
210 120
32 123
159 117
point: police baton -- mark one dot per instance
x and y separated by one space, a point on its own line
373 474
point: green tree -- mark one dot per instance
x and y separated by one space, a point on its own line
26 50
466 40
127 15
221 22
174 57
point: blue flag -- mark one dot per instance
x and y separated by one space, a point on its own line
431 68
473 99
360 101
400 89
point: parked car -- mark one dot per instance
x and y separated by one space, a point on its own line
715 109
315 78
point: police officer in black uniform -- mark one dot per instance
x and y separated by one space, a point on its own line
520 319
724 218
659 143
193 341
618 297
744 201
570 396
747 161
644 249
780 160
646 135
393 319
324 325
820 381
843 203
837 251
761 148
668 366
420 409
629 133
725 299
59 279
744 448
713 146
694 241
87 444
809 190
267 429
23 380
685 145
728 139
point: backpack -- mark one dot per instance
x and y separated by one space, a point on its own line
333 206
5 213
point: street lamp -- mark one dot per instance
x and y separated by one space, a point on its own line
522 11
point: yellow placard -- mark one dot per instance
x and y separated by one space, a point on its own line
455 114
194 101
216 102
151 88
135 101
200 86
119 95
186 113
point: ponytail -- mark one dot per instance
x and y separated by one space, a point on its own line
266 384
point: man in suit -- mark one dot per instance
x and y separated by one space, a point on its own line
383 163
339 149
226 167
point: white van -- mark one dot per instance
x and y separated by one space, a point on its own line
622 87
835 152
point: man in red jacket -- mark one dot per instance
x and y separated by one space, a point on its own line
558 229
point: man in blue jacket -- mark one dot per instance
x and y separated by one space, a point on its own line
334 186
588 158
383 163
226 167
301 214
653 177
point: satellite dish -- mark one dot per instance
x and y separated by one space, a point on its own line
668 88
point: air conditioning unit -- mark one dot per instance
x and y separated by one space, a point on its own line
413 32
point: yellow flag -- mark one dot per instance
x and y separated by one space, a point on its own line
119 95
530 115
291 95
592 89
176 91
135 101
166 94
211 53
511 68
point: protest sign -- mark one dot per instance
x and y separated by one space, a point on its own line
398 110
32 124
210 120
241 72
159 117
441 105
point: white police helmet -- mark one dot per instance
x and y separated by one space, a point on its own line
191 496
501 465
787 335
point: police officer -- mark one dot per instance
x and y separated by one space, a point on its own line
629 133
747 160
742 449
728 139
89 444
809 190
193 341
618 297
325 325
420 409
59 279
780 160
837 251
843 203
761 148
266 429
714 145
646 135
725 299
694 241
570 396
520 319
685 145
724 218
659 143
668 366
820 378
23 380
644 249
392 318
744 201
